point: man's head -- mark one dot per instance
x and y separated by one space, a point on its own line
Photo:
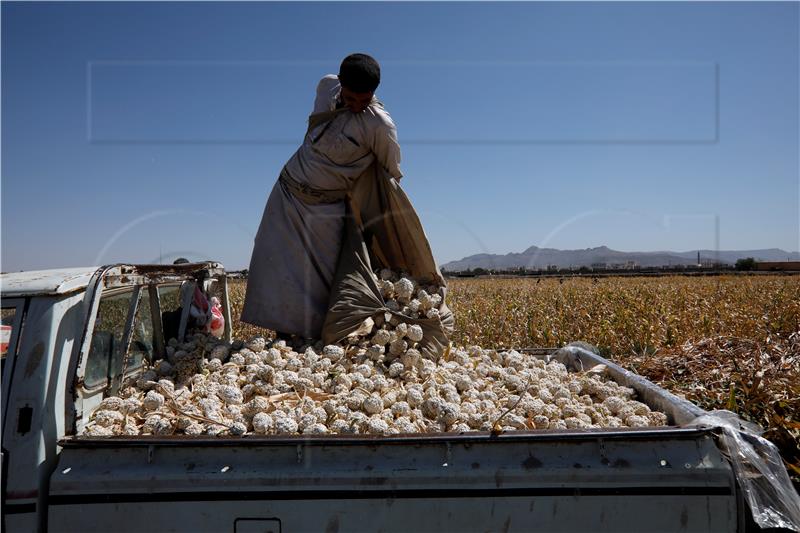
359 76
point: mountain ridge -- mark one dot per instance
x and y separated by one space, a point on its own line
534 257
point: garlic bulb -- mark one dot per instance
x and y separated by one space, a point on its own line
381 385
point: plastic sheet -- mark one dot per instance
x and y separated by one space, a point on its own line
758 468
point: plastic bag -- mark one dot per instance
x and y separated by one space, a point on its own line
216 322
207 315
758 468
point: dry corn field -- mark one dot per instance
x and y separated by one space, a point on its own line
727 342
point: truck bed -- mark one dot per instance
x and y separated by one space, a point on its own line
649 479
560 481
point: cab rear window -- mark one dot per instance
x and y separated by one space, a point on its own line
107 338
116 351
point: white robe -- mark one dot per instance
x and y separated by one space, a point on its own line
297 245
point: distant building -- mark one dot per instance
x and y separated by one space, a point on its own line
599 266
778 265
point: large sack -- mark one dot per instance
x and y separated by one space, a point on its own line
382 230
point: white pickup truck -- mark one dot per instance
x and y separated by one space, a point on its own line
71 331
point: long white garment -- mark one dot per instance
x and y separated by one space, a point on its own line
334 154
297 245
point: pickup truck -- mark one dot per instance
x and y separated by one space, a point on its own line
71 330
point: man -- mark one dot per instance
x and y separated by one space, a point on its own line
298 241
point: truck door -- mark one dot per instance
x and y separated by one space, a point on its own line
12 315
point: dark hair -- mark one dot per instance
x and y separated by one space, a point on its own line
360 73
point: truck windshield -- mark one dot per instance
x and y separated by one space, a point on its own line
169 297
142 334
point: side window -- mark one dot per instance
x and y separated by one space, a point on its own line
9 322
8 315
107 338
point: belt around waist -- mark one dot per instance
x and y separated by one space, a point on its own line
309 195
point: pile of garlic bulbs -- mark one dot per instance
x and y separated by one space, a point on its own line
405 295
206 387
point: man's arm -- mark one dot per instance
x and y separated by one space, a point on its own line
386 148
327 89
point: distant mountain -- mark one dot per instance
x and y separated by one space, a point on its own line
535 257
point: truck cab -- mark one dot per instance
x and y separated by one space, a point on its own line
70 337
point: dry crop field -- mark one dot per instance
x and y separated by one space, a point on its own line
726 342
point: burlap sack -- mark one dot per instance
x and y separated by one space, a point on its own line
382 230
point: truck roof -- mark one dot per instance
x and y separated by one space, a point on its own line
53 281
67 280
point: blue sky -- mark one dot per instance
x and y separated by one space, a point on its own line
133 131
